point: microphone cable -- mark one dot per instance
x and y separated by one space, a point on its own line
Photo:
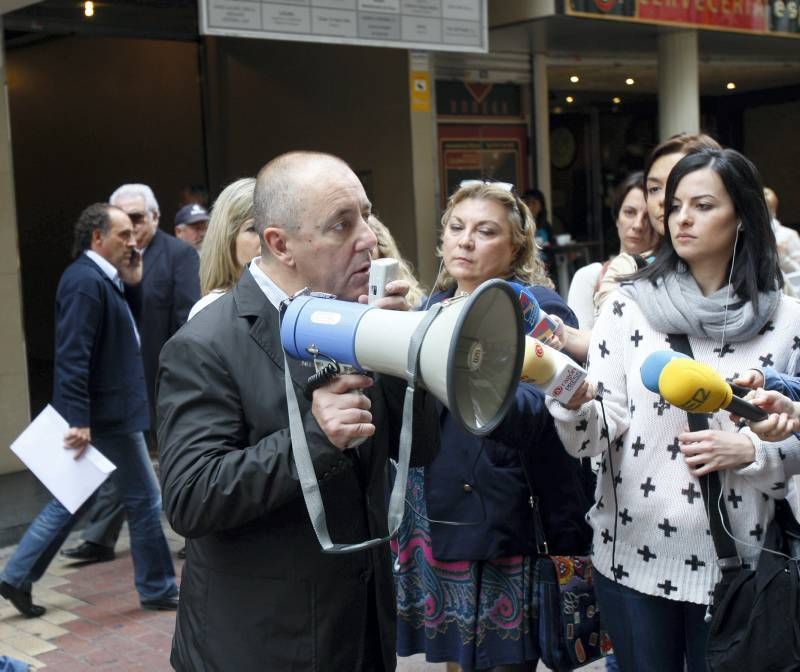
599 398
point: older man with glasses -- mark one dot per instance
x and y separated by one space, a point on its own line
170 287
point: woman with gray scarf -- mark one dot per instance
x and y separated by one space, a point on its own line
716 279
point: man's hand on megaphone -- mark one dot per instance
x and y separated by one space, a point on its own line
344 417
752 378
713 450
394 297
784 418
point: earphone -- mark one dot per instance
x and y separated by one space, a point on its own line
739 225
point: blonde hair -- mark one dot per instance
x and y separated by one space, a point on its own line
219 268
387 247
527 265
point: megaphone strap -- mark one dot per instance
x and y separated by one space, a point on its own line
310 486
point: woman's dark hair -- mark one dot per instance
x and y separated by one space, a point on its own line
756 268
96 216
537 195
682 143
633 181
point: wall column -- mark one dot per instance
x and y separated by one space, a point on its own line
14 410
678 84
541 116
425 163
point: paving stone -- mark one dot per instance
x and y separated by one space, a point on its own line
41 628
28 644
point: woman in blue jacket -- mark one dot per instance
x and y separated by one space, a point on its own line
465 553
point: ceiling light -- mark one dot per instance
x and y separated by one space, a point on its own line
616 100
629 81
574 79
88 8
730 86
570 99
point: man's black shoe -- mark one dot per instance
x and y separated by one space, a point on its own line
21 600
161 603
89 552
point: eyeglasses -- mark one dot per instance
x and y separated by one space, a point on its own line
505 186
137 217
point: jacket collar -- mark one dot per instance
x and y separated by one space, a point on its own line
153 252
86 260
253 305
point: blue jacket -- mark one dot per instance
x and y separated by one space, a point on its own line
481 480
98 378
782 382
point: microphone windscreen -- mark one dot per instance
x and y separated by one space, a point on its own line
538 366
528 304
653 365
694 387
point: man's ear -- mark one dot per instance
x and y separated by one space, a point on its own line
276 242
97 238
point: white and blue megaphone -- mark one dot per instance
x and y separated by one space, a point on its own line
469 349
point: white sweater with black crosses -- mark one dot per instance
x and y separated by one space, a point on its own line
663 546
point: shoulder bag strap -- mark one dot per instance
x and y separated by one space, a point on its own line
710 484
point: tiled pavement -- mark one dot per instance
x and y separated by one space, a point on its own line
94 622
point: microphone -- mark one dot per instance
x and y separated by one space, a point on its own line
550 370
697 388
653 365
537 323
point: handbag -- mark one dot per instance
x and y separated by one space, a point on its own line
564 605
755 613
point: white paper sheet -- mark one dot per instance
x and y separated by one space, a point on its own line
41 448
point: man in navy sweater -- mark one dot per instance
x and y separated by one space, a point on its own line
99 388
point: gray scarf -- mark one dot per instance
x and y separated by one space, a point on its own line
677 306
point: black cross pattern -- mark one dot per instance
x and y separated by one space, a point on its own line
603 466
637 446
625 517
636 338
767 327
662 405
725 350
618 478
690 493
695 562
618 308
796 345
600 504
648 487
601 388
667 528
667 587
734 499
619 572
674 448
757 531
646 553
604 350
732 377
633 407
584 445
778 485
606 536
766 360
603 432
765 496
581 426
781 454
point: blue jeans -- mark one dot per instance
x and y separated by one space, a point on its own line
12 665
135 480
652 634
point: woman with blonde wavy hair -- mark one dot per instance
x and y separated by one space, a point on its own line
231 242
463 592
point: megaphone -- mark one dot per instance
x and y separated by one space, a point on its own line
698 388
470 357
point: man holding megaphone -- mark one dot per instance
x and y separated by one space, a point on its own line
258 593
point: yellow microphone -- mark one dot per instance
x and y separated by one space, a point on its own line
550 370
697 388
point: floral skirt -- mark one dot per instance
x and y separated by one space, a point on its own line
477 613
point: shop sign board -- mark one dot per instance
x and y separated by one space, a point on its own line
433 25
764 17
